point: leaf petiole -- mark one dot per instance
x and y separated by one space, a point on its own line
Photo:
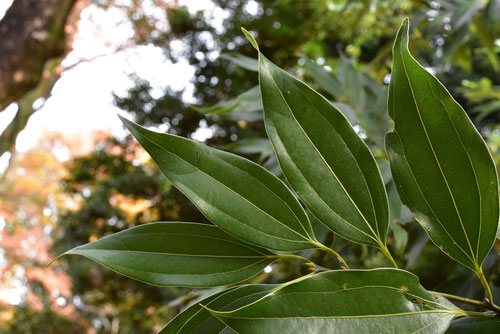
341 260
385 251
489 295
473 302
308 263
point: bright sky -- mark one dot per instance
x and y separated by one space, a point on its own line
81 100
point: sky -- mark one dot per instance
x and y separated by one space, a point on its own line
81 101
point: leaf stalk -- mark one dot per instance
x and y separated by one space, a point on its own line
473 302
489 295
388 255
341 260
313 267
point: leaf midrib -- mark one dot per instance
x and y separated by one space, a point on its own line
233 191
365 181
437 305
171 254
176 274
434 153
427 202
471 165
321 156
346 317
120 238
212 301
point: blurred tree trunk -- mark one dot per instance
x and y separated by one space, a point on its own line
31 33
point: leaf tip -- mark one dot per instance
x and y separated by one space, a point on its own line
56 258
250 38
406 22
402 36
131 126
124 120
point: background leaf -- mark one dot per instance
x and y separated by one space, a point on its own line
197 319
474 325
246 106
177 254
350 301
241 60
441 165
323 158
236 194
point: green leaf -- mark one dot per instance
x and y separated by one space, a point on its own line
241 60
252 145
247 106
197 318
236 194
474 325
487 38
352 84
177 254
347 111
323 78
400 238
442 168
348 301
323 159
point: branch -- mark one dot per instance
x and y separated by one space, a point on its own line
31 33
9 135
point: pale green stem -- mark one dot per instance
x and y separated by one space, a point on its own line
388 255
487 289
313 267
288 256
341 260
478 314
464 300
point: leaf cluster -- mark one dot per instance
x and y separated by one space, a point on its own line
441 168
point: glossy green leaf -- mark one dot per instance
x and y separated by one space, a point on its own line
349 301
236 194
241 60
323 159
474 325
442 168
177 254
197 318
246 106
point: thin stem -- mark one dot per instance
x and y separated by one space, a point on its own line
341 260
464 300
281 286
478 314
388 255
313 267
487 289
288 256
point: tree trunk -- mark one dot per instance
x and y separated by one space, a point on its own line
31 33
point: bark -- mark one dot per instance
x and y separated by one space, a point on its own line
31 33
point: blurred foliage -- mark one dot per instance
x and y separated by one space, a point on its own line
28 321
116 187
338 47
